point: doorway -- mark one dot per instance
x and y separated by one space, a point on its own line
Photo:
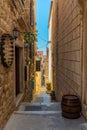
18 70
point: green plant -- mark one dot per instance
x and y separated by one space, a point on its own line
28 61
52 93
30 38
48 86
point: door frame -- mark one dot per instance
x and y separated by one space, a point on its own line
20 96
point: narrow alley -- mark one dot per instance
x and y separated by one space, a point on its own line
42 114
43 65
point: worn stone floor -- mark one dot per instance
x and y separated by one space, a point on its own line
48 118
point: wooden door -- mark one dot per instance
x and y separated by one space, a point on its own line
17 70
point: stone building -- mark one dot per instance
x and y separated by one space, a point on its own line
41 72
38 72
30 52
14 16
69 43
50 65
44 66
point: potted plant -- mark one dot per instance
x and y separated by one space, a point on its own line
48 87
52 94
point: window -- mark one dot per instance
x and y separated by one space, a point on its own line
31 14
37 65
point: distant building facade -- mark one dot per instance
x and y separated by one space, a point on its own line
44 67
41 76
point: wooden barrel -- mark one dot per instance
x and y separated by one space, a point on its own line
71 106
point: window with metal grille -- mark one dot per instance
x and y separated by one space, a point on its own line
37 65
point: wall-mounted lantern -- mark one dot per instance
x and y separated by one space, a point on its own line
15 33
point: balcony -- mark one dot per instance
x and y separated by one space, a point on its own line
18 8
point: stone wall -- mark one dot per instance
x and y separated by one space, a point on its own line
11 15
6 93
54 41
30 51
83 4
6 75
67 44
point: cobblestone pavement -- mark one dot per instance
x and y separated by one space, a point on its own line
49 118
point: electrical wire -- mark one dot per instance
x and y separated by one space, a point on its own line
42 39
42 47
45 45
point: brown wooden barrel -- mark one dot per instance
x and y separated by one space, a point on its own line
71 106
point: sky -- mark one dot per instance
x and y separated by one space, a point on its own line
42 10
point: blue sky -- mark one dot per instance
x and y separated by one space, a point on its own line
43 8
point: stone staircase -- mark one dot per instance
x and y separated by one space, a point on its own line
42 98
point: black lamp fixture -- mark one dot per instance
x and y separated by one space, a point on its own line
15 33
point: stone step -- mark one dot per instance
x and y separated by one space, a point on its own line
43 106
38 112
42 98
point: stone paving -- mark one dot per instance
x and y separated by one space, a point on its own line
49 118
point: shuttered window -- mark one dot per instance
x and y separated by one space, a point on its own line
37 65
31 14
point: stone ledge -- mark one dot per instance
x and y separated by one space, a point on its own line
19 98
37 112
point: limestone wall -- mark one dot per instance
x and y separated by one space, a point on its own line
10 17
54 41
67 44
